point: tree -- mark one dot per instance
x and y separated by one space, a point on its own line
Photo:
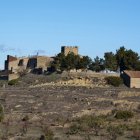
120 56
110 61
127 59
84 62
138 65
131 60
56 64
71 61
97 65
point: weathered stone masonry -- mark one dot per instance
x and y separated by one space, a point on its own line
69 49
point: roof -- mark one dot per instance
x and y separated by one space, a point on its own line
133 74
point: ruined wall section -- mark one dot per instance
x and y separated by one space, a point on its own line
25 63
13 65
43 62
32 63
18 65
13 76
9 59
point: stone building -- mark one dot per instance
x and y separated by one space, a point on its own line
69 49
16 64
131 78
36 64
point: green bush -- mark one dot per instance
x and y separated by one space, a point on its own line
13 82
124 114
114 81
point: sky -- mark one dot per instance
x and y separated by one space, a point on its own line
96 26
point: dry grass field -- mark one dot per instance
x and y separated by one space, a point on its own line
47 108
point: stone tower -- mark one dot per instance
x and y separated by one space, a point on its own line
69 49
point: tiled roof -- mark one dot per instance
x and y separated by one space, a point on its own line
133 74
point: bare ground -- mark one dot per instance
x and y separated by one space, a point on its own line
56 107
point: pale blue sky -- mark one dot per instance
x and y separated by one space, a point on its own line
96 26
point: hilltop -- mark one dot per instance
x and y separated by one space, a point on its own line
51 105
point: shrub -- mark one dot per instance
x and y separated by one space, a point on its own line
115 131
136 126
13 82
25 125
96 123
1 113
26 118
49 135
47 132
124 114
74 129
114 81
86 123
42 137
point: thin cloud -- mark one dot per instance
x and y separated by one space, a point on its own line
4 49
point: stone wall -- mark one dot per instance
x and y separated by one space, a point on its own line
135 83
18 64
13 65
13 76
43 62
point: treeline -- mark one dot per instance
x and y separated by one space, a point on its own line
123 59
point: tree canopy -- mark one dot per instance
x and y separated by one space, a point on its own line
127 59
97 65
110 61
71 61
123 59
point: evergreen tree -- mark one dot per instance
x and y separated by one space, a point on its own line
97 65
127 59
110 61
